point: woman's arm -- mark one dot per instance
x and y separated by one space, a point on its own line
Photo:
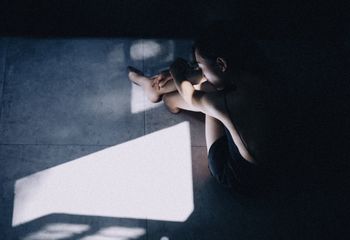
211 103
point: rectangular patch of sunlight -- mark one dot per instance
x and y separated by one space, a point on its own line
146 178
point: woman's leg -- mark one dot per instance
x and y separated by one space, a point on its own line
153 94
214 129
174 102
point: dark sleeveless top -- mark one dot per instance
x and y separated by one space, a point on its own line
251 177
234 149
262 116
251 116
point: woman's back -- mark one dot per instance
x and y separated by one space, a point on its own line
253 108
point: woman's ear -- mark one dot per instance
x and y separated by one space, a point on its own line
222 64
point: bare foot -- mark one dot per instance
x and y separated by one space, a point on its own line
137 77
168 100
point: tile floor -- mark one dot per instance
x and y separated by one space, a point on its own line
63 100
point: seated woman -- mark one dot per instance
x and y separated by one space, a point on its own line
233 95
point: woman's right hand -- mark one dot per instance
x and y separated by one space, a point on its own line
161 79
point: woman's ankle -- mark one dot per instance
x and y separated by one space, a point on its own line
169 105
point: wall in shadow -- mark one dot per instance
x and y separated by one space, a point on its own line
310 79
274 20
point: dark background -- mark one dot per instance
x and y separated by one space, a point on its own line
264 19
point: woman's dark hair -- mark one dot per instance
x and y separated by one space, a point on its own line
224 39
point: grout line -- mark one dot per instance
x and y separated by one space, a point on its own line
147 228
4 79
144 121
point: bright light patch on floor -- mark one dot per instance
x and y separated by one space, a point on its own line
113 233
68 227
144 49
146 178
46 235
55 231
139 102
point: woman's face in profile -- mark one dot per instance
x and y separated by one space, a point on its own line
210 71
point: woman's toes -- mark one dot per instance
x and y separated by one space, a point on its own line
140 79
135 75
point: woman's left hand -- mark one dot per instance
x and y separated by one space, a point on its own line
161 79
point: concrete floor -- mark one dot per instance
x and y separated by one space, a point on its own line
67 101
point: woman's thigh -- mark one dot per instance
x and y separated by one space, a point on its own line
214 129
175 102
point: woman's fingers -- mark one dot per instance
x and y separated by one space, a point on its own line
164 82
155 84
160 80
161 84
155 80
155 77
